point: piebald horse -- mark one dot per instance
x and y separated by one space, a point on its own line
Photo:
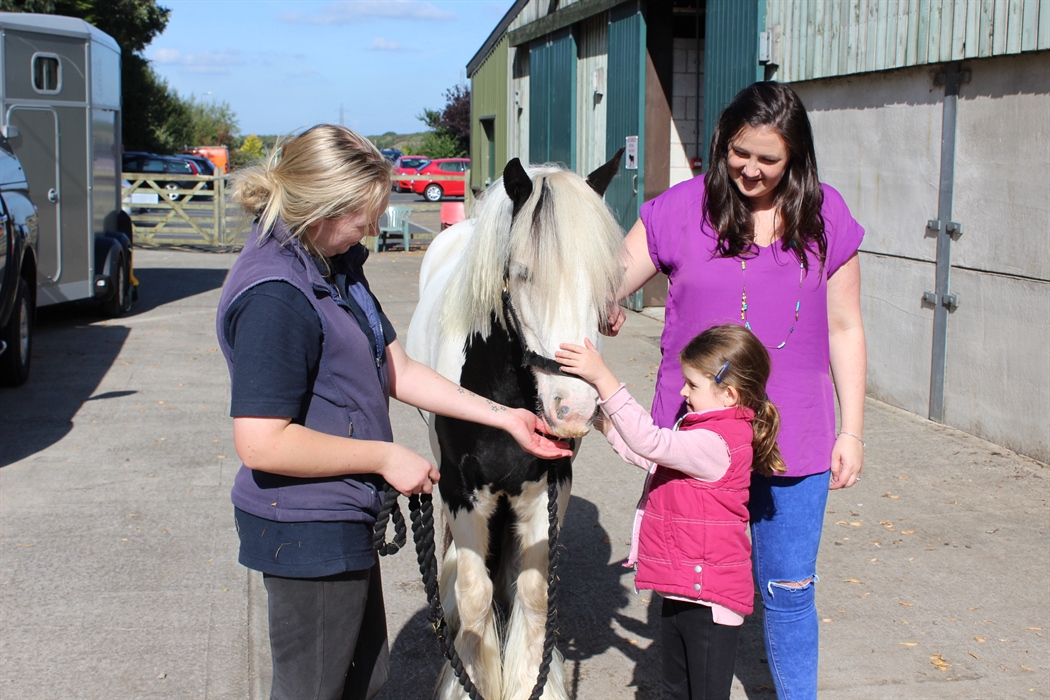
497 295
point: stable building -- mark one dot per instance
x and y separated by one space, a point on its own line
931 117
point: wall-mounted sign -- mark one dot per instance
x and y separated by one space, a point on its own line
631 153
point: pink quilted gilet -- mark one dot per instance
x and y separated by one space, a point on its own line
693 539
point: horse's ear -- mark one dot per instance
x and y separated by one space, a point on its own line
599 180
517 184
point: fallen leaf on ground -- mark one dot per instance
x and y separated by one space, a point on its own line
973 655
980 639
907 532
865 595
855 524
907 605
841 522
939 663
853 580
909 644
1033 628
828 619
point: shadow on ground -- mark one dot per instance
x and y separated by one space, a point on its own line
593 597
71 355
164 285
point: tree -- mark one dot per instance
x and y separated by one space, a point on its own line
250 152
449 135
213 123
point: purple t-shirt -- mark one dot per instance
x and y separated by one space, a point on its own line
705 291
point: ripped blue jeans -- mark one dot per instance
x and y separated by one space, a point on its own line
787 516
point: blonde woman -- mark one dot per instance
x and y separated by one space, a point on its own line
313 361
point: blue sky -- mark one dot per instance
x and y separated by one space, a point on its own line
283 65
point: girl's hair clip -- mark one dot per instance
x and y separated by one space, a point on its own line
721 374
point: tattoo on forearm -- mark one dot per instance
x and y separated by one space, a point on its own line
496 408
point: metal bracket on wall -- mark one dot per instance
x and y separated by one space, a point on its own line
953 229
948 301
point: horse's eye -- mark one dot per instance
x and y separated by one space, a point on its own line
524 275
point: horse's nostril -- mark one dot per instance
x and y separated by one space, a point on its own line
563 411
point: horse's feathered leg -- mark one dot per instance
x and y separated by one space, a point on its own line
528 616
477 638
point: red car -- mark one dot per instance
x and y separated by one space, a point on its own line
438 189
407 165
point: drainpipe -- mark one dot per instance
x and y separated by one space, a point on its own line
946 230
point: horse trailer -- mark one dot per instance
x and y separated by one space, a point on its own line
60 109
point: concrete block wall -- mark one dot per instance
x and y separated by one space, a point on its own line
686 106
878 142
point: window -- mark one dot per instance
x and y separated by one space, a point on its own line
180 166
450 167
47 73
152 166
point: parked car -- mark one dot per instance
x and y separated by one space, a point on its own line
18 267
218 155
159 168
391 154
407 165
437 190
202 165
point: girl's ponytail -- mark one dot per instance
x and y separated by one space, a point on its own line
767 459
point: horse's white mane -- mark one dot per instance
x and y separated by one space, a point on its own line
575 236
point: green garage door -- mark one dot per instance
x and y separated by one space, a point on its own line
552 99
625 110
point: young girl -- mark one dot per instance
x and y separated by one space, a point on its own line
690 541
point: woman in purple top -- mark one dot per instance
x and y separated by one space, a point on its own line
759 241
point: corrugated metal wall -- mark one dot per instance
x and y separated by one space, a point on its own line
488 89
592 42
824 38
730 55
625 113
552 113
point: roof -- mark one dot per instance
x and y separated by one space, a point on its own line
56 24
497 33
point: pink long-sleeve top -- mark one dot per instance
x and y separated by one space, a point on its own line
701 454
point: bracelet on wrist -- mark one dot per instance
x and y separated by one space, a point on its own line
855 437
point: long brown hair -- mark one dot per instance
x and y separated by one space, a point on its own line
747 366
798 198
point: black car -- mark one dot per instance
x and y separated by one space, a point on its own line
18 264
163 170
391 154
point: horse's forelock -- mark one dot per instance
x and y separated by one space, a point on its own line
563 231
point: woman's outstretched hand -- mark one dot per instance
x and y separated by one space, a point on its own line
525 427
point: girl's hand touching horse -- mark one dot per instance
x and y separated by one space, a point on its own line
586 363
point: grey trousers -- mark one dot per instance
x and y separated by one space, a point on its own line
328 636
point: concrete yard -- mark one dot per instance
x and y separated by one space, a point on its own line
118 555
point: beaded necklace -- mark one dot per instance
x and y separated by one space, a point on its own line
743 303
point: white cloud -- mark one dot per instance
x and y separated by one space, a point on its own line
381 44
200 62
348 11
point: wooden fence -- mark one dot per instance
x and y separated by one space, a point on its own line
192 210
196 209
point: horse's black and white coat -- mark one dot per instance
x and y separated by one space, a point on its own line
546 238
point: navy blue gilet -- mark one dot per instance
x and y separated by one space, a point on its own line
349 397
